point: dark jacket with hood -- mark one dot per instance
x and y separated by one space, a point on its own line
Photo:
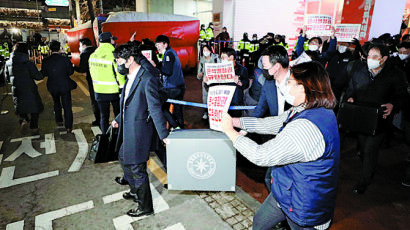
22 74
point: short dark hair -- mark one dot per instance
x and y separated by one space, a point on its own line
21 47
277 54
384 50
405 45
208 47
86 41
55 46
319 40
162 38
127 50
405 37
228 51
315 81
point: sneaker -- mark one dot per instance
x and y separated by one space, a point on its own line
406 182
205 116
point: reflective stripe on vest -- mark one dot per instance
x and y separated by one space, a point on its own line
95 60
104 82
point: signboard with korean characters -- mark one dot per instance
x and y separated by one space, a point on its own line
318 25
219 72
219 99
347 32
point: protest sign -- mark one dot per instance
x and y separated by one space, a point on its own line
219 100
147 54
346 32
318 25
219 72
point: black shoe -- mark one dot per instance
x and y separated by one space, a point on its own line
95 123
138 212
359 189
129 196
166 186
121 181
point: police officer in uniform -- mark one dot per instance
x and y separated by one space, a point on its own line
106 80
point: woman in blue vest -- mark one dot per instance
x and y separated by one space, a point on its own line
304 155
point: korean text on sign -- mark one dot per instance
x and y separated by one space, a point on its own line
219 72
219 99
346 32
318 25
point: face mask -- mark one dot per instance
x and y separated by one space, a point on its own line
122 69
313 47
342 49
289 98
206 54
225 61
403 56
267 75
373 64
81 49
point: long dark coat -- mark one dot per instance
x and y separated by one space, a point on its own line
140 116
22 74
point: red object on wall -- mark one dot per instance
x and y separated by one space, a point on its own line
183 31
359 12
74 35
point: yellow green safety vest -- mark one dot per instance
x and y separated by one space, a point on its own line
43 49
242 45
6 52
1 50
285 46
160 56
209 34
67 48
103 70
202 34
254 47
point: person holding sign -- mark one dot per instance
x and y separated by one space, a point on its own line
315 44
304 155
207 57
240 80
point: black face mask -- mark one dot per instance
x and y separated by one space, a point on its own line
122 69
267 75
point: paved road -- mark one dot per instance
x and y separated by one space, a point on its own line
47 182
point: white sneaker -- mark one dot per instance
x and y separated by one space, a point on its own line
205 116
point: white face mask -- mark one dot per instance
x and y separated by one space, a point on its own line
206 54
81 49
225 61
342 49
313 47
403 56
289 98
372 64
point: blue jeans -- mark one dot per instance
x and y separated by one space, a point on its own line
269 214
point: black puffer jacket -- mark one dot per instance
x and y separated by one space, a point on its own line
22 74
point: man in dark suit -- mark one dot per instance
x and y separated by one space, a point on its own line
140 117
86 49
58 69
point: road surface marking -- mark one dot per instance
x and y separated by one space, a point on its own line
1 144
25 147
49 144
7 174
45 220
157 171
19 225
96 130
83 88
124 222
1 158
113 197
82 150
178 226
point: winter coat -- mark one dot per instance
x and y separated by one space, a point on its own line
22 74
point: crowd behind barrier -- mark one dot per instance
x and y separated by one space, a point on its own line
373 75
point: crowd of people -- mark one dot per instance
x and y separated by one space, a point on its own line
296 97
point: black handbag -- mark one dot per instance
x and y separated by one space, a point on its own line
361 118
103 147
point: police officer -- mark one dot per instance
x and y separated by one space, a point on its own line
106 80
173 78
202 39
210 34
244 46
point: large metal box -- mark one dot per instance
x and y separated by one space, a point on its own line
200 160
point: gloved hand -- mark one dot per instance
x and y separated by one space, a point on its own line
356 42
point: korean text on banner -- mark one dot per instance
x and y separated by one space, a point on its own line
318 25
219 72
147 54
219 99
346 32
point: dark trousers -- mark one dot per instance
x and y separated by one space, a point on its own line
369 148
94 104
269 215
406 129
177 94
135 174
63 98
162 154
105 112
33 119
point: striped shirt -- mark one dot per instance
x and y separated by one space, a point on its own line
299 141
